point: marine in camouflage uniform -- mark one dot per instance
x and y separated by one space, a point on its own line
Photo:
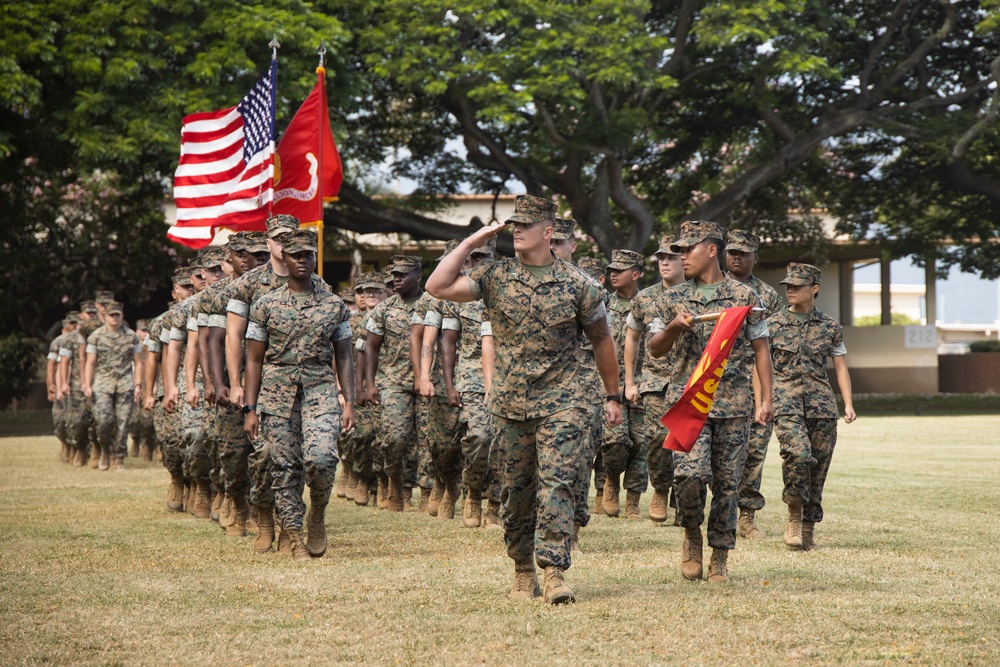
293 338
741 256
233 445
112 378
169 424
77 410
624 447
365 438
141 425
462 339
183 388
53 383
91 320
802 338
211 260
347 482
718 455
646 317
440 436
387 349
241 295
538 305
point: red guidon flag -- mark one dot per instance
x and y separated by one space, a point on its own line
687 417
307 166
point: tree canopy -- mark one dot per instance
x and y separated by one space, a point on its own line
635 114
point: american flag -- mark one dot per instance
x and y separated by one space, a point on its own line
225 175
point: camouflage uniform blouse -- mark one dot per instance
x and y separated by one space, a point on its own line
300 353
647 317
536 325
115 351
618 310
734 397
392 319
69 348
243 292
154 344
798 354
467 319
428 312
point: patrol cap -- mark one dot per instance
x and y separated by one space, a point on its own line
489 249
529 209
281 224
563 229
73 317
113 308
236 242
802 274
666 246
405 264
256 242
104 297
623 260
182 277
742 240
210 258
142 325
694 232
372 280
88 306
301 240
347 295
386 274
448 247
591 266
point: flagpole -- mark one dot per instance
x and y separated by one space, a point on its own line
274 100
321 78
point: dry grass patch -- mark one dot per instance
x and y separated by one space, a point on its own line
96 572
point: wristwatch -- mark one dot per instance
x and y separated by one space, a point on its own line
247 409
617 398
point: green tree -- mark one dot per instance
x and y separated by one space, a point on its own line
91 101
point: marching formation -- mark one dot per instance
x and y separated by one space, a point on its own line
510 382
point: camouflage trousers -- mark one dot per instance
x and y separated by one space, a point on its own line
625 448
111 414
444 435
141 428
209 425
476 426
753 470
590 445
233 447
197 463
807 445
303 450
77 416
542 459
716 459
170 434
494 477
424 416
659 461
59 419
399 429
362 440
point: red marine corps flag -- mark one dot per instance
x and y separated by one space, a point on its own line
687 417
307 167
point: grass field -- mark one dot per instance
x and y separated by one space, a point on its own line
93 571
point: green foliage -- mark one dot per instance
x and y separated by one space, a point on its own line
990 345
898 320
18 367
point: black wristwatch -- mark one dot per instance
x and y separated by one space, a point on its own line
617 398
247 409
